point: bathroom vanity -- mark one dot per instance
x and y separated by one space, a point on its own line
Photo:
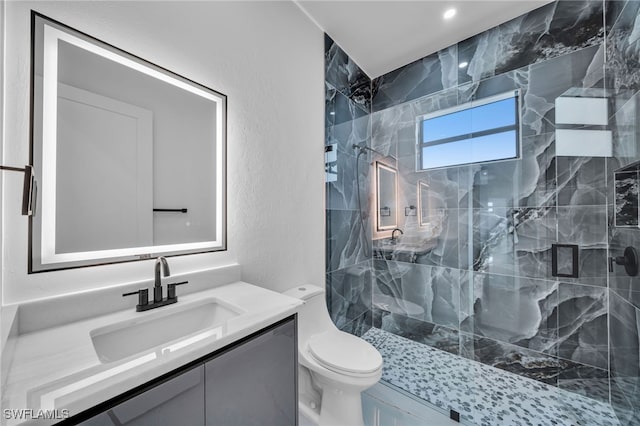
251 382
129 164
235 363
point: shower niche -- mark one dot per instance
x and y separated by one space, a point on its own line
626 181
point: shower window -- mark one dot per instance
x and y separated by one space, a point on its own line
476 132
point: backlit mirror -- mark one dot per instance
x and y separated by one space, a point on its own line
386 197
130 157
423 204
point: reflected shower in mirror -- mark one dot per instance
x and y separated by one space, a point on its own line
386 197
130 156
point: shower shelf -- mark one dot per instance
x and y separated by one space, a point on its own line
627 207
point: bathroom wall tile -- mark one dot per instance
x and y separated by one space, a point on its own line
425 293
424 332
585 380
515 242
583 325
339 108
626 133
527 182
627 414
623 46
346 76
443 231
422 77
581 181
586 227
515 310
442 188
359 326
580 69
396 126
491 86
513 314
624 355
467 300
626 208
615 10
466 253
438 236
583 225
446 98
349 295
349 133
534 37
390 126
515 359
342 194
346 244
537 171
537 91
620 282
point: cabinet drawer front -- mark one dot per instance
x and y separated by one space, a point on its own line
255 383
178 401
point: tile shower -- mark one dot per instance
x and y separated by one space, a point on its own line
483 292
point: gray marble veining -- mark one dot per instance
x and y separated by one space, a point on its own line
483 290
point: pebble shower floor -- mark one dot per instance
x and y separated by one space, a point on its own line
483 395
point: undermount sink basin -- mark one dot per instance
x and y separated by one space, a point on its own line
161 327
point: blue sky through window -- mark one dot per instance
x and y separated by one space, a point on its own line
475 119
482 133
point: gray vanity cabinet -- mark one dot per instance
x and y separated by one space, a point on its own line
252 382
178 401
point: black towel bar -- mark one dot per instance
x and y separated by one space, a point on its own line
171 210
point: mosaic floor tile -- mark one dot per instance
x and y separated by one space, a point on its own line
483 395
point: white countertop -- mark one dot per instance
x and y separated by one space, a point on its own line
57 368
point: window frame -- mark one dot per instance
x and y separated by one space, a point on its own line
466 106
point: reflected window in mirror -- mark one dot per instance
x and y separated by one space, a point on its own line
386 197
130 156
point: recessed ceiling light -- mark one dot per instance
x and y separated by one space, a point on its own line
449 13
463 64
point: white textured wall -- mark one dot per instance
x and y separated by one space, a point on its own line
268 59
3 325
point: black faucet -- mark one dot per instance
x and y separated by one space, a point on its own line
157 287
158 300
393 234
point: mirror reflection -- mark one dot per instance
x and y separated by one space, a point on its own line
386 196
130 156
423 204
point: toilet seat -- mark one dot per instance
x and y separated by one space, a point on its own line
344 353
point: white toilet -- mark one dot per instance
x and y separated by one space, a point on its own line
334 367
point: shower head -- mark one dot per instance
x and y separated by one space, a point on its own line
364 148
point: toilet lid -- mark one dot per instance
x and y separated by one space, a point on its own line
344 352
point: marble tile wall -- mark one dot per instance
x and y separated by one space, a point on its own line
483 288
623 77
348 240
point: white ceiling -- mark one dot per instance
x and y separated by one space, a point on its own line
381 36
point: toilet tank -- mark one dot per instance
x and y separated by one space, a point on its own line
313 316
